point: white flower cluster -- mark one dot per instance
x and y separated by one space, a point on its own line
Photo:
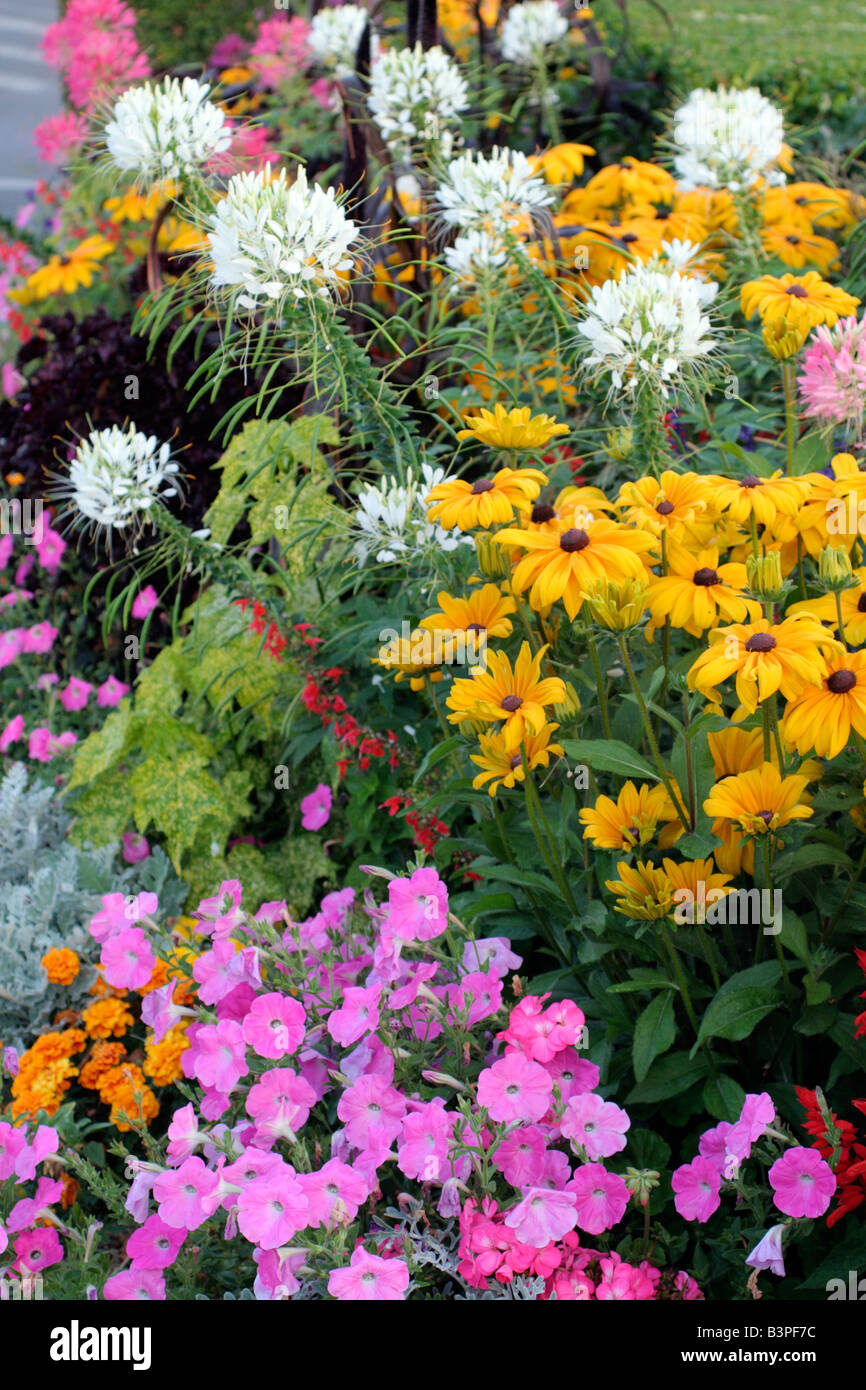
270 239
334 37
531 28
491 192
390 520
647 328
727 139
474 256
165 132
416 95
116 475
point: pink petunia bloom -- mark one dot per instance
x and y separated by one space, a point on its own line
357 1016
75 695
479 994
39 639
221 913
280 1103
12 733
11 382
45 1142
21 574
696 1188
183 1132
13 1142
276 1274
493 954
803 1184
42 745
155 1245
119 912
218 1056
37 1249
540 1033
144 602
767 1254
520 1157
417 906
127 959
111 692
515 1088
372 1112
423 1149
335 1193
572 1074
273 1208
602 1198
135 847
59 137
218 971
543 1215
187 1195
11 645
133 1285
50 550
316 808
369 1279
274 1026
26 1211
757 1113
47 680
160 1012
595 1125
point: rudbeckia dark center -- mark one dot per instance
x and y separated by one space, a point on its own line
794 240
542 511
841 682
665 508
705 577
797 291
573 539
750 481
483 485
516 761
765 816
475 627
511 703
629 237
861 602
761 642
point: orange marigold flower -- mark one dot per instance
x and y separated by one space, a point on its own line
126 1091
103 1058
71 1189
157 979
162 1059
61 965
107 1018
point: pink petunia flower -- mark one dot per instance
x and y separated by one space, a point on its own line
154 1245
38 1249
127 959
273 1208
316 808
696 1188
369 1279
767 1254
50 550
372 1111
595 1125
75 695
144 602
12 733
417 906
335 1194
42 745
357 1016
602 1198
423 1149
515 1088
280 1103
493 954
111 692
135 847
134 1284
39 639
187 1195
274 1026
520 1157
218 1056
11 645
757 1113
543 1215
803 1184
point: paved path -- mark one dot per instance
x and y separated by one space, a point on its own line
29 91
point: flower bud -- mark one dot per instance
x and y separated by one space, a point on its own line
834 569
492 559
617 607
764 576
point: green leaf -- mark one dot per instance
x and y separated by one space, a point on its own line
436 755
723 1097
736 1013
654 1033
103 811
103 748
668 1077
513 873
609 755
178 796
811 856
794 937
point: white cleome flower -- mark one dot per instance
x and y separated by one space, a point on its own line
531 28
416 96
390 521
334 37
727 139
165 132
491 192
648 328
272 239
474 257
117 476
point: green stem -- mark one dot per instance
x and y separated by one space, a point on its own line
651 738
538 820
789 386
599 685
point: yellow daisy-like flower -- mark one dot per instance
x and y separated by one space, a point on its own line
762 498
66 273
511 429
698 592
798 248
485 612
565 561
783 339
131 206
630 820
765 657
822 717
418 657
815 204
760 801
503 765
515 697
561 163
646 893
568 501
853 604
802 299
676 504
835 513
486 502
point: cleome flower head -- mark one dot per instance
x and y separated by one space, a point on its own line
727 139
160 132
117 476
475 259
647 329
529 29
416 96
390 521
272 239
334 37
491 192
